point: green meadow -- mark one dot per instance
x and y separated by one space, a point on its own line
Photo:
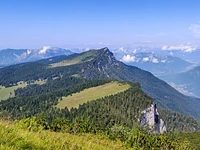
81 58
92 94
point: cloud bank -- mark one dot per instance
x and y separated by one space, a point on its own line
185 48
145 59
128 59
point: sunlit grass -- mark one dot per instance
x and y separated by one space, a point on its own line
92 94
14 138
88 56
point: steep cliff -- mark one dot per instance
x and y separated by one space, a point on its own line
151 119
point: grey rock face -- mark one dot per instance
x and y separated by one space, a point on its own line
151 119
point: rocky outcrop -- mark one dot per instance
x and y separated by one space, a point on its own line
151 119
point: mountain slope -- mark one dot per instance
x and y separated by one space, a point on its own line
187 82
104 65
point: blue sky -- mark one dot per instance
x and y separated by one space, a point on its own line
65 23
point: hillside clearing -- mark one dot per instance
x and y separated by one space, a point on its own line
92 94
6 92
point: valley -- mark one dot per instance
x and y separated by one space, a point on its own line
157 64
187 81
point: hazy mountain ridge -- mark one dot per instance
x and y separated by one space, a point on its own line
14 56
192 56
156 64
188 82
187 53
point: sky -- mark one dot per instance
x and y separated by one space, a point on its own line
72 23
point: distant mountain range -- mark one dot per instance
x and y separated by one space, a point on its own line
170 64
192 56
186 82
101 64
157 64
186 53
162 63
14 56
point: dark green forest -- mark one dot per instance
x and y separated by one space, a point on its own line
123 108
115 116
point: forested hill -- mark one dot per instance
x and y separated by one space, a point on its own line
122 108
101 64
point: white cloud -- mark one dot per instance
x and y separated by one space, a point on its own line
122 49
163 61
87 49
154 60
134 51
145 59
195 28
28 52
128 58
164 47
151 59
185 48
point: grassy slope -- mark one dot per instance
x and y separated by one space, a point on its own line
92 94
84 57
5 93
13 138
